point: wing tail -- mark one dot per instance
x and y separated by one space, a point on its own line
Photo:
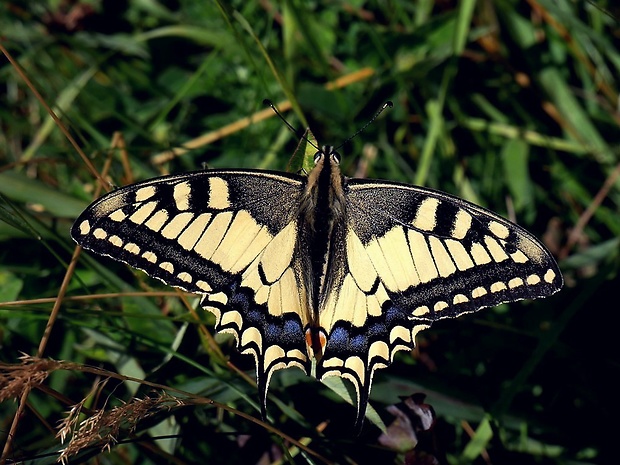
363 393
275 341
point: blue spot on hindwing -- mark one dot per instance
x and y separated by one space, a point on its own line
240 301
338 340
359 344
292 330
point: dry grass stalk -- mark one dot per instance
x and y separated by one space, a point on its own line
16 378
100 428
104 427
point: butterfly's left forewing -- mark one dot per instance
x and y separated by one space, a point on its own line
414 256
228 235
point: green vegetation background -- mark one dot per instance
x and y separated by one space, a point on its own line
510 104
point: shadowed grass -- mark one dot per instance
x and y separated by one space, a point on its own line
510 104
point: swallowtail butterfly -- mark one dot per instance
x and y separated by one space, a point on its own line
341 270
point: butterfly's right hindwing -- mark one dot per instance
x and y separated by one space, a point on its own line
229 235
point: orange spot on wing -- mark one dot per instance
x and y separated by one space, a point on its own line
316 340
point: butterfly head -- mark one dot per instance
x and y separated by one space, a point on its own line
327 152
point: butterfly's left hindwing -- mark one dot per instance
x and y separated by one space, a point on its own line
229 235
414 256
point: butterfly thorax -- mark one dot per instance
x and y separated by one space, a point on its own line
322 219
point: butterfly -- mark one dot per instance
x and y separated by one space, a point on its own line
322 267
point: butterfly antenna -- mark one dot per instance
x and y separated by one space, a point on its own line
289 125
387 104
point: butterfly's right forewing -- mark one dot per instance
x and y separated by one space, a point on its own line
226 234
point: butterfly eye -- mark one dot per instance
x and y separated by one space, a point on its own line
318 156
336 157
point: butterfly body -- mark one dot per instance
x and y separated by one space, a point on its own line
321 224
342 270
